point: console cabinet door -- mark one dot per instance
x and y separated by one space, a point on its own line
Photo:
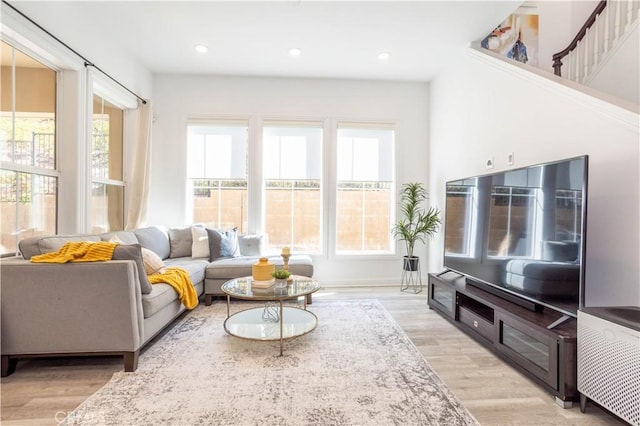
532 349
442 296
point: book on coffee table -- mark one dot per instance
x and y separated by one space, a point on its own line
262 284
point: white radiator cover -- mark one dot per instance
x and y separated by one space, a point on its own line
609 365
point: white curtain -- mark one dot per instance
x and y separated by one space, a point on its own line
138 186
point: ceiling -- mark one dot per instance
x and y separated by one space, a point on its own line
338 39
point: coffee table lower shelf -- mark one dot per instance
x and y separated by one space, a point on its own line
249 324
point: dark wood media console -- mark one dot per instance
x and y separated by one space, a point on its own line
518 335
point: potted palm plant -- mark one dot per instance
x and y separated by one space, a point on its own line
416 223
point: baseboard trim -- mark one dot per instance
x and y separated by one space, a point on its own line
364 283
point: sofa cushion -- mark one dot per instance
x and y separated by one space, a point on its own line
134 252
195 267
200 243
223 244
55 243
180 241
251 245
560 251
229 268
29 247
541 288
34 246
123 237
542 270
154 239
161 295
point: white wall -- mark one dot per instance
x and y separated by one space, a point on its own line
176 98
483 107
99 48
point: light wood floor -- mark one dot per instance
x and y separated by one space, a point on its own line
42 391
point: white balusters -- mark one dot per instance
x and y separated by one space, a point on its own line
617 19
585 58
606 41
596 42
609 26
578 57
570 66
631 13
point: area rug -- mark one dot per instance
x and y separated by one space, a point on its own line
356 368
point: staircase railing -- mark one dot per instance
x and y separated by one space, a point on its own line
603 28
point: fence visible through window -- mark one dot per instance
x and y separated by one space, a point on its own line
293 214
100 156
220 203
38 152
363 216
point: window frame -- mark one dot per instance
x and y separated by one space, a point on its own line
393 189
32 170
293 124
240 123
107 94
255 186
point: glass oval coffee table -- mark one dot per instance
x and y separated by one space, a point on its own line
274 321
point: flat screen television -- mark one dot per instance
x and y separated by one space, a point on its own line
520 233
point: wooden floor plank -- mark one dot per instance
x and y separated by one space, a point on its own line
43 390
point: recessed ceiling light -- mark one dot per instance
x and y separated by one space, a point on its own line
384 56
294 51
200 48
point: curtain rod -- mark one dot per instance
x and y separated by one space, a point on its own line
87 63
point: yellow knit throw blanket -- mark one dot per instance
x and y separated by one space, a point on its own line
78 251
179 279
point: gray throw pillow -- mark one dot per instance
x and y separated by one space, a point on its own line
180 241
134 252
154 239
223 244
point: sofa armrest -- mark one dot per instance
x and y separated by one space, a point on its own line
70 308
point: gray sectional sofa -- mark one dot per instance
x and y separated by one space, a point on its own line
99 308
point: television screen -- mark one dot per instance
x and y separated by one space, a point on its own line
521 231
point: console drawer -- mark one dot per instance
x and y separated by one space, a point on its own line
477 323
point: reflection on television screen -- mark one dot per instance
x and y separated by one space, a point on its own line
521 231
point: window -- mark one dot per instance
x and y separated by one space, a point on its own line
292 171
28 179
568 222
512 221
107 192
217 174
365 190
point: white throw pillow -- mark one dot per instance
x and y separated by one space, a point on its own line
152 262
200 245
251 244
